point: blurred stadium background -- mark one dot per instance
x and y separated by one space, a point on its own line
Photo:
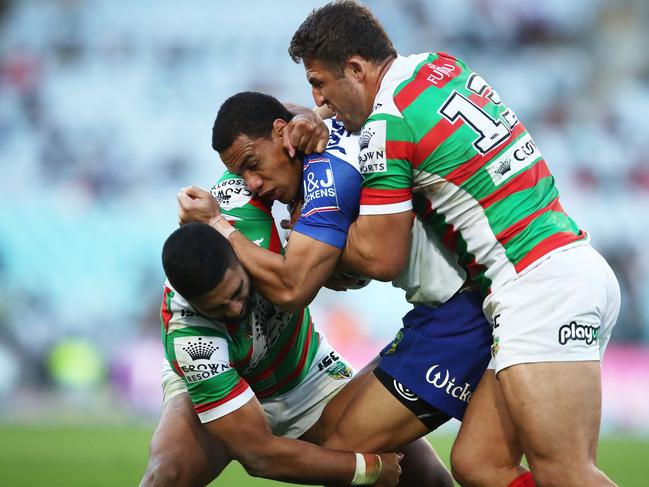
106 109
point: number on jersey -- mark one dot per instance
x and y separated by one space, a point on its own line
491 132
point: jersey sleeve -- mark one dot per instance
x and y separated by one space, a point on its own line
249 214
386 147
199 353
331 189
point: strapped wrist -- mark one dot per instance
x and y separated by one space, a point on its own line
368 469
221 225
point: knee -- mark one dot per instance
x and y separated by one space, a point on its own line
465 470
163 472
471 467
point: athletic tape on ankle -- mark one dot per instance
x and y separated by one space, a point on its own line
367 474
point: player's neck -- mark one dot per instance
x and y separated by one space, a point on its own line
382 71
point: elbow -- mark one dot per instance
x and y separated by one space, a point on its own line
257 464
292 300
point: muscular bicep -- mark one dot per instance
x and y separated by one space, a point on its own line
312 261
378 245
292 280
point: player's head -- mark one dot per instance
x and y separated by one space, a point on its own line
201 265
247 134
343 48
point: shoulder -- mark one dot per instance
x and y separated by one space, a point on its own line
248 213
233 194
411 76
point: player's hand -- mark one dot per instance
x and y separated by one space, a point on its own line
391 469
305 132
197 205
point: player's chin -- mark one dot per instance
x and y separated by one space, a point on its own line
350 125
285 197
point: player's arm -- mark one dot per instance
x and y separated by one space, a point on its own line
198 350
378 245
247 437
291 280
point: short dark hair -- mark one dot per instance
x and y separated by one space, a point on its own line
337 31
247 113
195 258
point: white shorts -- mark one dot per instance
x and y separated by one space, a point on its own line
561 309
293 413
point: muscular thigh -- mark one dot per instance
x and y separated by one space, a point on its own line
336 407
555 408
374 420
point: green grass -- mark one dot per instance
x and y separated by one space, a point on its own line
77 456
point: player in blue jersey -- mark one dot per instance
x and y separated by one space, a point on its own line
442 364
248 134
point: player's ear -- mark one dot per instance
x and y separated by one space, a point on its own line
356 67
278 127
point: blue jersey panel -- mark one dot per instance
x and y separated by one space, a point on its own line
331 189
441 353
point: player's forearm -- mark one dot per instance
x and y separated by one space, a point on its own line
301 462
272 275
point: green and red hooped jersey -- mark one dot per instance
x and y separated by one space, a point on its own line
223 364
440 140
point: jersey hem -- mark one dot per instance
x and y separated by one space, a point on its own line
228 407
385 209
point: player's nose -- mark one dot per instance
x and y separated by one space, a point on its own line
318 97
253 182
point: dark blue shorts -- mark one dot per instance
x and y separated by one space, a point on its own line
441 353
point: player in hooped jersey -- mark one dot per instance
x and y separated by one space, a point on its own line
437 138
442 365
239 367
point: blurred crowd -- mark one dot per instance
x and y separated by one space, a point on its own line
106 110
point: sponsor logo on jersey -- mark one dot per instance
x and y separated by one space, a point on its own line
201 358
441 71
231 193
372 144
340 371
395 343
578 332
319 187
442 379
495 347
404 392
520 155
327 360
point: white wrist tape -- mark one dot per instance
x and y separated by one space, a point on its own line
222 226
361 475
